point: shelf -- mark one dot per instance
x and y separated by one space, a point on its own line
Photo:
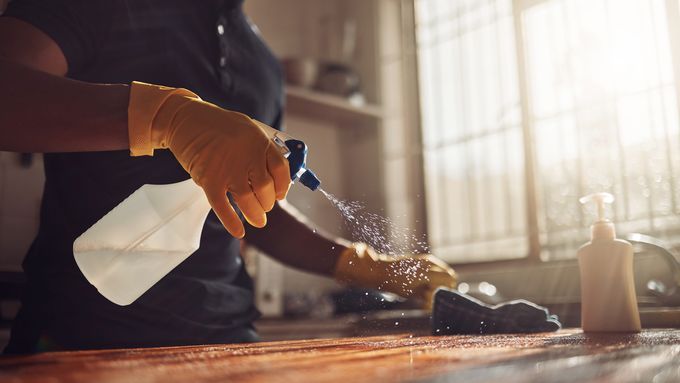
310 103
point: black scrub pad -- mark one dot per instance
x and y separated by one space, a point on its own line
456 313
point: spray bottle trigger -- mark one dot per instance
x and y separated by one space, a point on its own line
297 157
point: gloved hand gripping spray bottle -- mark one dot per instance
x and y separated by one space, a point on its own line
608 301
157 227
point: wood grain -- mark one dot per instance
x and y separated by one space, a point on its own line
567 355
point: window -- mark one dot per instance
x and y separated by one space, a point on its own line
527 105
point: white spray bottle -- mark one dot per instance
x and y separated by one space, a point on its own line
608 301
157 227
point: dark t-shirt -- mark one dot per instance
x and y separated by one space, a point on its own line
207 46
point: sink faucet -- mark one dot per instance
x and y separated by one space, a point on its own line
671 296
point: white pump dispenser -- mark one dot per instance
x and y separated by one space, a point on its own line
608 301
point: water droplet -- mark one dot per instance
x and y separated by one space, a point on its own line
382 234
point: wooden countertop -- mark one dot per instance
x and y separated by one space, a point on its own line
568 355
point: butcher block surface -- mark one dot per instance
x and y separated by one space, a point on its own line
565 356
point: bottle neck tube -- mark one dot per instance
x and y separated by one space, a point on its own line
602 230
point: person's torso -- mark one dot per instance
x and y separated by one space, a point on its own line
211 49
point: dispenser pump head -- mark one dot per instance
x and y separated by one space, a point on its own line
602 228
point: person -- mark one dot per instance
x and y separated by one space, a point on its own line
78 85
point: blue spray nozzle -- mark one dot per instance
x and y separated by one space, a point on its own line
298 167
309 179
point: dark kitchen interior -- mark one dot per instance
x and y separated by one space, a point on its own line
464 129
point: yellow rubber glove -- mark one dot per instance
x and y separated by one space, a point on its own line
415 276
223 151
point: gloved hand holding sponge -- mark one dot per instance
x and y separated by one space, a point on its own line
433 282
223 151
416 276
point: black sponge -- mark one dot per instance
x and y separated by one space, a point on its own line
456 313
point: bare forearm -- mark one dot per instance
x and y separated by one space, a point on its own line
289 238
40 112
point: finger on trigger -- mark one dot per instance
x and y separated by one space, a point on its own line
226 213
262 185
250 207
277 165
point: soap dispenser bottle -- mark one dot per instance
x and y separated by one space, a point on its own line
608 301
